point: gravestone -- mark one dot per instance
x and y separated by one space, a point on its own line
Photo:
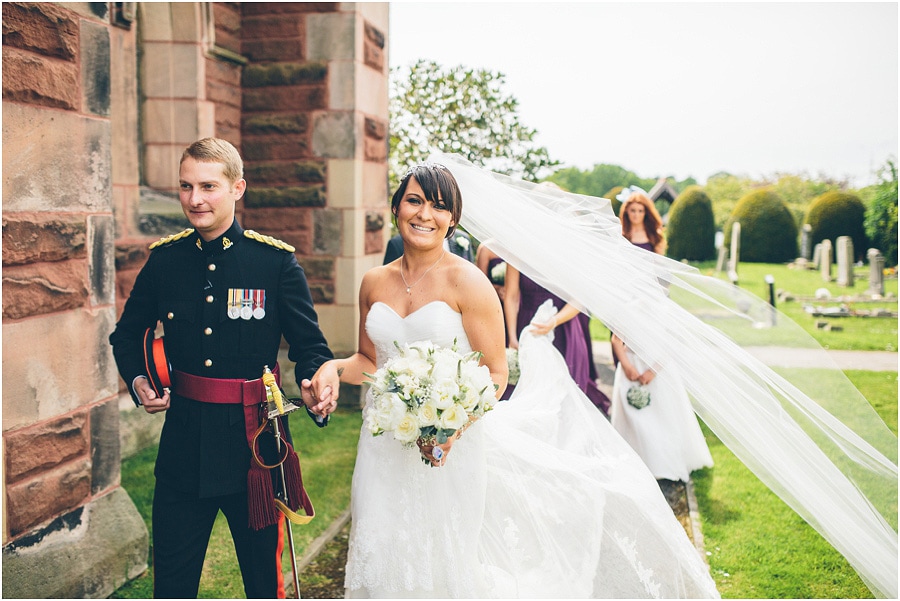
876 272
825 260
722 259
817 255
734 255
844 261
806 241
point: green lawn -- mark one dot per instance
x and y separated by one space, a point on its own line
856 333
757 546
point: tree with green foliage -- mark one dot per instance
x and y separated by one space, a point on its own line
796 191
881 214
835 214
768 230
464 111
691 229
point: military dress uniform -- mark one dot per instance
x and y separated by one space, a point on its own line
224 305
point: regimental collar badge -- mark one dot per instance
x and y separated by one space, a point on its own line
226 243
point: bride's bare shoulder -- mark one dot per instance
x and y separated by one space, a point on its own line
468 279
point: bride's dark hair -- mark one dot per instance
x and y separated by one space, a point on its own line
436 182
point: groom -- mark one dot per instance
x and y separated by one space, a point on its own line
226 296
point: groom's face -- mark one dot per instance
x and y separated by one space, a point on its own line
422 222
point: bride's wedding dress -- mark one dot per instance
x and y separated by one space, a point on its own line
540 498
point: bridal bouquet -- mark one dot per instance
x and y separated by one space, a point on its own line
428 391
638 396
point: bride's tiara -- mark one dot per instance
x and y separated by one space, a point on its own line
425 165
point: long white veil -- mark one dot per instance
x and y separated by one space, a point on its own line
808 434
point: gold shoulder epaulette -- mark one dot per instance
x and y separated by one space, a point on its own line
269 240
172 238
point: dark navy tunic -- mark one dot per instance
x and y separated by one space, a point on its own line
188 285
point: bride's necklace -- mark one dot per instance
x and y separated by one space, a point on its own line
408 285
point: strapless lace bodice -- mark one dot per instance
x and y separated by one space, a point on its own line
436 322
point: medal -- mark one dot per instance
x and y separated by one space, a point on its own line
246 305
234 309
259 302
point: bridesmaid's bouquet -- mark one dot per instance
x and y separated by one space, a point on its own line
428 391
638 396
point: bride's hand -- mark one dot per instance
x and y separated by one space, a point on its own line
542 329
321 393
436 457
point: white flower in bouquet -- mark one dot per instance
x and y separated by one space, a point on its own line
407 430
638 396
462 242
428 391
427 415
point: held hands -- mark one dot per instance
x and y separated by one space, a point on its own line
149 400
319 394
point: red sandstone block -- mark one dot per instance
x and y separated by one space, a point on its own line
37 500
41 447
376 150
274 49
227 18
41 288
36 79
224 94
131 255
30 238
262 148
266 27
373 56
375 129
287 219
223 71
278 8
374 243
285 98
41 27
228 40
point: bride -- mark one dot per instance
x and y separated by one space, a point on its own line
540 497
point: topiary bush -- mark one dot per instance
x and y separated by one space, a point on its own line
836 214
613 202
768 230
691 231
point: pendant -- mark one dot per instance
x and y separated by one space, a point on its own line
407 290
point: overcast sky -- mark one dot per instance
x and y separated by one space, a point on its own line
683 89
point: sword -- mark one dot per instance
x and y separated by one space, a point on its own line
273 395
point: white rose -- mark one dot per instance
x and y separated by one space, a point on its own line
469 398
454 417
407 430
443 393
389 410
427 415
463 242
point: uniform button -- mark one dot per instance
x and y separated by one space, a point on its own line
170 315
211 266
209 298
207 331
208 363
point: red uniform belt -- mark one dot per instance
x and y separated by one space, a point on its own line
221 391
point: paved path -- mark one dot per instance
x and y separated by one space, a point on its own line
786 357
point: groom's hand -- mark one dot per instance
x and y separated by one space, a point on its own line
321 404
